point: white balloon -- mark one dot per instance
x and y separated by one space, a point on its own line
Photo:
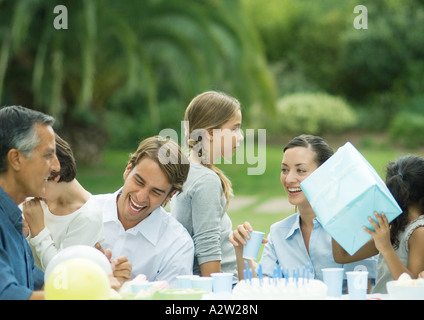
78 251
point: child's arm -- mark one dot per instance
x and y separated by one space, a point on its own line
381 237
341 256
207 268
34 216
396 266
416 252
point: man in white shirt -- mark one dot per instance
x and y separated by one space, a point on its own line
136 225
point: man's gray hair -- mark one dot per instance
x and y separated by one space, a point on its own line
17 131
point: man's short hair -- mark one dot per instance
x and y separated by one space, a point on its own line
168 155
17 131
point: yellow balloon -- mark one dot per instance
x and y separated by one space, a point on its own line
77 279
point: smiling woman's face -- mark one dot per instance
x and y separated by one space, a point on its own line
297 164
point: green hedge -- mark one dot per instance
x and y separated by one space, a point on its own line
408 129
314 113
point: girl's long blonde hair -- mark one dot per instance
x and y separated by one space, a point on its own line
207 111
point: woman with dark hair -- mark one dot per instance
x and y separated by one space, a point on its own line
67 215
299 240
399 243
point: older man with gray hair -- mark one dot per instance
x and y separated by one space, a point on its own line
27 158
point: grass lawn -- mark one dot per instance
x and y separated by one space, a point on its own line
107 177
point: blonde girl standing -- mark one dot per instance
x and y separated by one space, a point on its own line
213 121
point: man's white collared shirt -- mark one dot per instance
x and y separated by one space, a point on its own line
158 247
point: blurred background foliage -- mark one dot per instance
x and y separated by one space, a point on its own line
123 70
126 69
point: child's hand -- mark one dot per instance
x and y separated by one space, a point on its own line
381 235
25 228
34 216
121 268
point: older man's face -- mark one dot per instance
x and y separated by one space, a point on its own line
36 169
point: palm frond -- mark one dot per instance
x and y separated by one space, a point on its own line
88 54
155 50
4 58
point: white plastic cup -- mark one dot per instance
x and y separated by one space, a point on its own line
357 284
205 283
136 288
253 245
184 282
333 278
222 282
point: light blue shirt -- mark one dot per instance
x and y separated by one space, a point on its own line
287 249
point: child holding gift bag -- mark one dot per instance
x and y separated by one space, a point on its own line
299 240
399 243
213 131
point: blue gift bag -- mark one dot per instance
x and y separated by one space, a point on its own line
344 191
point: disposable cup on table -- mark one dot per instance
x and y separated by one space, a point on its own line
184 281
205 283
253 245
136 288
357 284
222 282
333 278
